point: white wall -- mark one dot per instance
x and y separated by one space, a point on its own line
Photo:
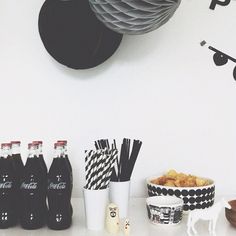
162 88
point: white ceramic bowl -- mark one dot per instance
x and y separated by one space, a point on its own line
193 197
164 210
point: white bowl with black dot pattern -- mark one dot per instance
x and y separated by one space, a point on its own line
193 197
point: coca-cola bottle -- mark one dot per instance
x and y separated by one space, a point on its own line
8 216
59 191
18 167
33 192
39 153
63 144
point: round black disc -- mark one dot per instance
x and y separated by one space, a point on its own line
73 35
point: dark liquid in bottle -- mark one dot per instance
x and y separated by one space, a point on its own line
33 195
8 216
59 195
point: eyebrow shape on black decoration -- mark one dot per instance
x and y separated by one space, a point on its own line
221 59
221 3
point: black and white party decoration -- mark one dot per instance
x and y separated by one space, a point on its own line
98 167
124 165
219 2
134 16
220 58
73 35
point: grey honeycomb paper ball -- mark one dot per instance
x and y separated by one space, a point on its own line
134 16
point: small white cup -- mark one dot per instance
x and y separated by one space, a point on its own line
95 202
164 210
120 194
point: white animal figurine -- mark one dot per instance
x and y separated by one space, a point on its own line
127 227
112 219
210 214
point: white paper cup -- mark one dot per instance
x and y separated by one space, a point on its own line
95 202
120 194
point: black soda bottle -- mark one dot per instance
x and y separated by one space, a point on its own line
39 153
8 216
59 191
63 144
18 168
33 192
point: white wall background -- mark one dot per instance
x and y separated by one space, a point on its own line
162 88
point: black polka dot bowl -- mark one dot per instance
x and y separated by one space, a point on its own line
193 197
164 210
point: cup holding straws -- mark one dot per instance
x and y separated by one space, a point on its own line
95 205
99 165
120 179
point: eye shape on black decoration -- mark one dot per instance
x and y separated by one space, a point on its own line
220 59
234 73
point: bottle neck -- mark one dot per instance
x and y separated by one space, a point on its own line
5 152
59 152
33 152
15 149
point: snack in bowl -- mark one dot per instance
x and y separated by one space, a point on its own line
164 210
175 179
196 192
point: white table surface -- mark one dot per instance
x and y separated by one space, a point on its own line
139 223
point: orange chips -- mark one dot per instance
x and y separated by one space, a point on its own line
175 179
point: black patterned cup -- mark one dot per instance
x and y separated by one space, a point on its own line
164 210
193 197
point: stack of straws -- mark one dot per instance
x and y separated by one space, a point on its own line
124 166
99 165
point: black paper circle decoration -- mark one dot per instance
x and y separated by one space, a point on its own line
134 16
73 35
220 59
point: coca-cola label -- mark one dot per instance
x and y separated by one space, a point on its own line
32 185
61 185
6 185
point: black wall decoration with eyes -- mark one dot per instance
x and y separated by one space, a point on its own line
73 35
221 58
219 2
